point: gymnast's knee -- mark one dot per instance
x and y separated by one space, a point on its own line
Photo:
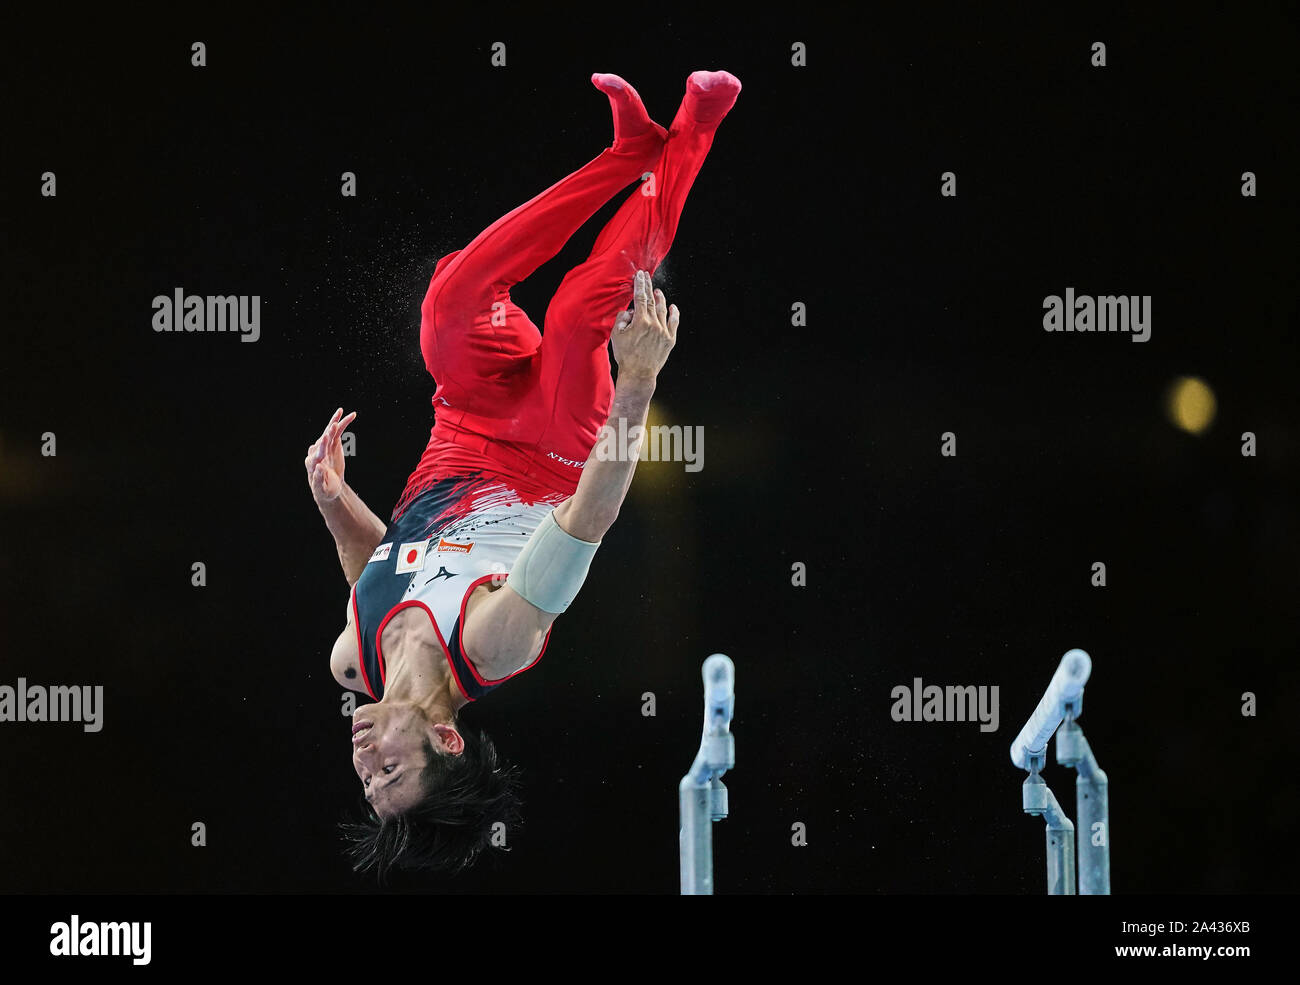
447 289
436 303
444 309
441 267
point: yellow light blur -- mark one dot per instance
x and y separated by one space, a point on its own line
654 479
1190 404
655 415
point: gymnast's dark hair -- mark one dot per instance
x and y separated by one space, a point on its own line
448 830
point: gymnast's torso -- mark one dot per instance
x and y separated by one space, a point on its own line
452 540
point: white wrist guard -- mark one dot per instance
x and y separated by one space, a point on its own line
551 567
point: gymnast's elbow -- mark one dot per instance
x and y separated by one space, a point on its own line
586 520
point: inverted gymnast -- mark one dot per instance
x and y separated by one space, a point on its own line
496 528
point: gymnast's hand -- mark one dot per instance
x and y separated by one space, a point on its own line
643 337
325 459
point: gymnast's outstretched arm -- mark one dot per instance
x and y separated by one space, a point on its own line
507 628
357 531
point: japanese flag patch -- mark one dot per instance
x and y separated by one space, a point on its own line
410 557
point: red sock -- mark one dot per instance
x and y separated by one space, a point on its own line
709 97
631 121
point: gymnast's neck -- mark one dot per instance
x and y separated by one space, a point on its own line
416 670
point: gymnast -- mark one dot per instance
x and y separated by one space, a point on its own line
495 530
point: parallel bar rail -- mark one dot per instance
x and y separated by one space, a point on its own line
1060 708
702 797
1065 690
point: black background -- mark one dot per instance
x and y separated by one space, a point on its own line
821 442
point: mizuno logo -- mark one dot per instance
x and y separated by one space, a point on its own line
442 573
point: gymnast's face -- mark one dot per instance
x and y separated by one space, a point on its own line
390 749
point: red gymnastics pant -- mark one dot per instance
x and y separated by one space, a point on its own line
525 406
